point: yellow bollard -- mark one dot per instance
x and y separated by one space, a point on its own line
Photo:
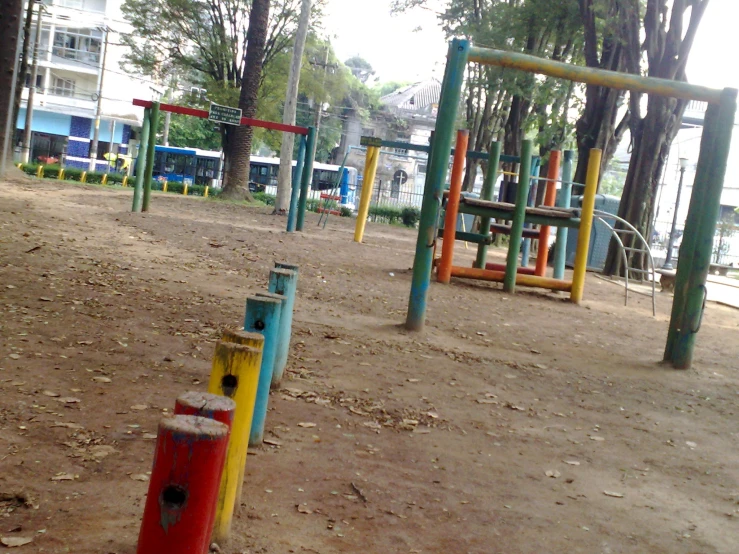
164 186
61 174
205 194
40 171
368 182
105 179
20 165
586 225
125 181
83 178
184 190
235 374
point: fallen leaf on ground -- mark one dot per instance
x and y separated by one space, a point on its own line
613 494
572 462
67 425
272 442
598 439
306 425
102 379
139 407
140 477
63 477
11 542
51 393
372 425
68 400
304 509
14 356
553 473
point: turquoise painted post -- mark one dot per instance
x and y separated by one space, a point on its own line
488 190
526 249
150 150
263 316
700 229
519 214
310 155
138 188
565 198
295 190
438 167
284 282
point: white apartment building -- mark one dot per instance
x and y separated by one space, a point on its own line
70 78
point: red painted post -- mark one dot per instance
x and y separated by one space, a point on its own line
549 200
184 485
444 271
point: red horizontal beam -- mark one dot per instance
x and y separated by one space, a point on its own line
183 110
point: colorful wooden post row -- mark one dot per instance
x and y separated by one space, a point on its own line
201 452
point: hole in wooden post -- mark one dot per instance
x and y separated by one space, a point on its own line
173 497
259 325
229 384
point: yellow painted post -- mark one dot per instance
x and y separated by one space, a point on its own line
125 181
235 374
255 340
83 178
20 165
105 179
184 190
368 181
205 194
586 225
164 186
61 174
40 171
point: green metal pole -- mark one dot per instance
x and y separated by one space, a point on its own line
700 229
488 189
526 248
154 124
451 92
295 189
565 198
141 162
310 155
519 215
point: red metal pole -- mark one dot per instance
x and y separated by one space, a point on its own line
444 271
184 484
549 199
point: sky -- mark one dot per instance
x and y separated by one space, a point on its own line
398 54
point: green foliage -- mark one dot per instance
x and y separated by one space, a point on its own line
385 213
193 132
264 198
360 68
345 212
612 182
724 230
410 215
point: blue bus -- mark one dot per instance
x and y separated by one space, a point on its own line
191 166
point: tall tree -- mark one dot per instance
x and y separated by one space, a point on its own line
10 28
236 175
666 47
284 181
23 67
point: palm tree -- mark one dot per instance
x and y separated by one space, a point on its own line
236 179
10 26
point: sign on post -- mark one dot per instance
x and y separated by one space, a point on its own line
224 114
370 141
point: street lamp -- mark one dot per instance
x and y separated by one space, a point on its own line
671 242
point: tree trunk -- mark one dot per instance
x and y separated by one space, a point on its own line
236 180
284 177
10 28
23 68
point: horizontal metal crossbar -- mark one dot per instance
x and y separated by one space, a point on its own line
592 76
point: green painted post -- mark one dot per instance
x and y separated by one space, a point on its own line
153 126
295 189
700 229
141 162
438 166
526 248
519 214
488 189
565 198
310 155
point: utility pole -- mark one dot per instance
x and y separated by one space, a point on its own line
319 102
284 177
671 241
10 44
27 131
25 51
98 110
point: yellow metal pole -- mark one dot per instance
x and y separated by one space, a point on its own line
184 190
205 194
368 182
125 181
61 174
164 186
586 225
235 374
83 179
105 179
40 171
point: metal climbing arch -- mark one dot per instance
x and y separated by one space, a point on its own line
627 252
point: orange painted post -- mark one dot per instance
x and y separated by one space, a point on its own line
550 198
444 272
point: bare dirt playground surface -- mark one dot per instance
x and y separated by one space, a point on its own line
512 424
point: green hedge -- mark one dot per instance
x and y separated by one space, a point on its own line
72 174
264 198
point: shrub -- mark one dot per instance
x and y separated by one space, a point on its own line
264 198
345 212
116 178
385 213
410 215
72 174
311 204
30 169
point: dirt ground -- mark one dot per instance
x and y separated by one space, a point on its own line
512 424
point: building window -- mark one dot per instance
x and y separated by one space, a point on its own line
78 4
82 45
421 169
399 179
39 81
62 87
